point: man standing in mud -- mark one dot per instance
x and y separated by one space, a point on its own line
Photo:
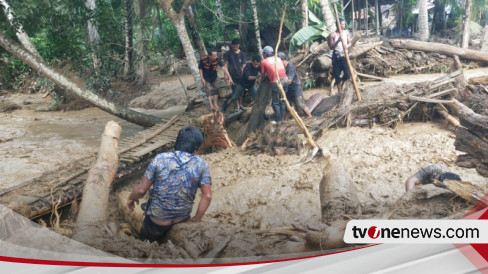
339 63
269 73
175 177
294 95
247 81
208 75
234 63
428 174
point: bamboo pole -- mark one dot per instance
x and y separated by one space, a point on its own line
297 118
353 76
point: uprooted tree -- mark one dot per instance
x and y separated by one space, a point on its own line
64 82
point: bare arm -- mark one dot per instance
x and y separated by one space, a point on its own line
201 77
226 71
204 202
138 192
411 183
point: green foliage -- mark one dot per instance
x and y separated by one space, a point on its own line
309 83
310 33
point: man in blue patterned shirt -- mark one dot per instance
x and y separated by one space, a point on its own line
175 177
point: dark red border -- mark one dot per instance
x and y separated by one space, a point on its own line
70 263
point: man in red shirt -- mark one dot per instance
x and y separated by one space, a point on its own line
269 74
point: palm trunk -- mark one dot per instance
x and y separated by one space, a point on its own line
366 22
305 20
178 21
128 66
142 69
20 33
243 24
220 14
63 82
327 13
93 36
256 26
467 19
196 33
423 21
378 14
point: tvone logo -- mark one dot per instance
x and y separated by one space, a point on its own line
373 232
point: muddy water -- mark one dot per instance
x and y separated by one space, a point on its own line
33 141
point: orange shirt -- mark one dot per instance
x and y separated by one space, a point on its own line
268 68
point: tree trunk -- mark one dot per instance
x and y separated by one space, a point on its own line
128 57
20 33
353 17
377 16
178 21
93 207
243 24
93 36
220 14
305 21
366 19
467 19
263 97
423 21
60 80
196 33
484 39
328 17
256 26
469 142
338 197
142 69
439 48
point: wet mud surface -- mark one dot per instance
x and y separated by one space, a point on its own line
254 193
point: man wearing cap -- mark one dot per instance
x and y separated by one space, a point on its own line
294 95
234 62
339 63
269 73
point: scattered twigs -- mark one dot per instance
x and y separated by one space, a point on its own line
214 252
427 100
370 76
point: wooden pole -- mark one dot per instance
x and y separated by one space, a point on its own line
297 118
353 76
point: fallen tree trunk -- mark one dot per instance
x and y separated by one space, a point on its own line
472 144
263 97
482 80
338 197
62 81
439 48
93 207
325 63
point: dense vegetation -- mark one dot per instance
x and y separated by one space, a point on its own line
58 29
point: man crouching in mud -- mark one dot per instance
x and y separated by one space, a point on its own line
175 177
428 174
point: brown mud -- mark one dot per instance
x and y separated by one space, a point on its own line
257 197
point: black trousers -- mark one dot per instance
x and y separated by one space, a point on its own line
153 232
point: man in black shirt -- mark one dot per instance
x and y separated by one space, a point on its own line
247 81
294 95
208 75
234 62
